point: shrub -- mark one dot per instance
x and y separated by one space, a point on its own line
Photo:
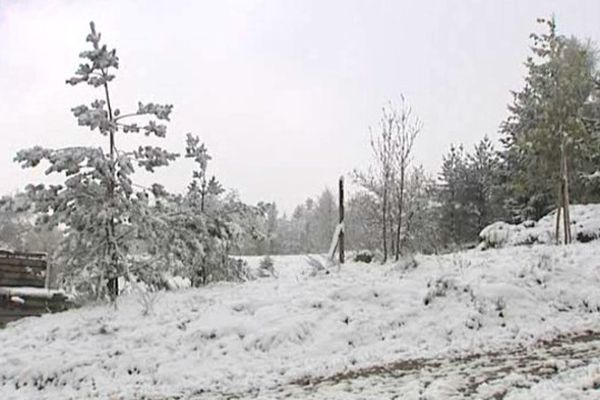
266 267
147 299
364 256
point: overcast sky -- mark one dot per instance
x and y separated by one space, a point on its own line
282 92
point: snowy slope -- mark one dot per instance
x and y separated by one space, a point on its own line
254 337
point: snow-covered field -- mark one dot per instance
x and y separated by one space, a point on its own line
514 323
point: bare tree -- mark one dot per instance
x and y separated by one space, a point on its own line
384 146
392 148
405 127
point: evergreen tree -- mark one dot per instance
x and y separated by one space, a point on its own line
545 137
96 204
482 182
454 213
362 222
201 186
421 231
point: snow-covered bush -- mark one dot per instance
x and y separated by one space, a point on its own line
539 272
438 288
365 256
460 262
147 299
266 268
445 285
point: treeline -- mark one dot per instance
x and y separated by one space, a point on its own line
548 157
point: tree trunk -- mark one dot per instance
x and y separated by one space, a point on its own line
558 209
384 220
565 215
113 282
565 190
202 195
341 209
563 198
400 209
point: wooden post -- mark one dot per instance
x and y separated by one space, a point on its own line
341 209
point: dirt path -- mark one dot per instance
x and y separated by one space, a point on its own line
479 376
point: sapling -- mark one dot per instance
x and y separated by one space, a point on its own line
98 207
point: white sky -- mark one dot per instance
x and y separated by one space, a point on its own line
282 92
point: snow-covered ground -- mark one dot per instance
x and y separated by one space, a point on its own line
585 227
436 331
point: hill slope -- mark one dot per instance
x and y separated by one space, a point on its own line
259 336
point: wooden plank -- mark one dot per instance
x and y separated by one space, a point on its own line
20 277
40 275
7 312
21 268
36 305
23 261
23 282
34 254
12 277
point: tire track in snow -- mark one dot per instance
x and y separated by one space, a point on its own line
488 375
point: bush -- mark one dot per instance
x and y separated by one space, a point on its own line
364 256
266 267
147 299
445 285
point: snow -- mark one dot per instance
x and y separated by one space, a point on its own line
585 226
253 340
27 291
177 282
579 383
17 299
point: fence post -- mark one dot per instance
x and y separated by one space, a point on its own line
341 209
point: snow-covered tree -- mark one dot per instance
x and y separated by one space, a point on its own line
97 205
201 186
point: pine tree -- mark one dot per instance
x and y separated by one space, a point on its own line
201 186
421 232
545 136
454 213
482 182
96 204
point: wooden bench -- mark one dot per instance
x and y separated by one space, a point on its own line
19 269
24 287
